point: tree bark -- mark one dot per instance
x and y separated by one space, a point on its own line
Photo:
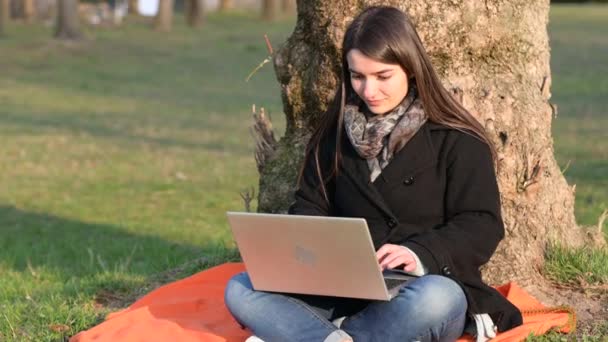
164 18
4 16
495 56
68 27
195 12
269 10
226 5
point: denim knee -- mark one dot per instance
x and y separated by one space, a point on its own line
274 317
430 308
439 298
236 293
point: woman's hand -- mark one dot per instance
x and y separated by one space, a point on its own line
391 256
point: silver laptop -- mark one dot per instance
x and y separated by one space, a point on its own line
317 255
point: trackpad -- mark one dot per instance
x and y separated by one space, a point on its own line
397 274
395 279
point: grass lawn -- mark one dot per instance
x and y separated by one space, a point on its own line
579 62
120 155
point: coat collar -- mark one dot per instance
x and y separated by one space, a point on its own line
417 154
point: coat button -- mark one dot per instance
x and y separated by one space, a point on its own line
446 271
409 181
391 223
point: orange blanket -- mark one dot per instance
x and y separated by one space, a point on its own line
192 309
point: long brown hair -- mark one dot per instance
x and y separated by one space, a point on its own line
387 35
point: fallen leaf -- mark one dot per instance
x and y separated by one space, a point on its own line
59 327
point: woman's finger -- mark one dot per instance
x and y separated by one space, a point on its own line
396 258
385 250
410 267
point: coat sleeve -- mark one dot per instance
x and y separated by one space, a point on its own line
309 198
473 226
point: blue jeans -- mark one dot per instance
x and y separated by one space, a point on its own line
430 308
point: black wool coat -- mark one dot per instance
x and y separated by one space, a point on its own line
438 196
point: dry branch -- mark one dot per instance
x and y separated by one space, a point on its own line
265 142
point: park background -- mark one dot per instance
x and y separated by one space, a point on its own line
122 151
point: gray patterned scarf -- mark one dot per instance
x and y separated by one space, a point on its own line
377 138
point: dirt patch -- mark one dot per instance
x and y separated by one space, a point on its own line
116 300
590 303
108 299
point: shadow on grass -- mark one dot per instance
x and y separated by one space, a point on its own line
114 127
30 242
72 273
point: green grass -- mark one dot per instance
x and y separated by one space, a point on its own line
120 155
598 333
580 89
585 266
579 43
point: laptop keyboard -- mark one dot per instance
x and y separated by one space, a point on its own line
392 283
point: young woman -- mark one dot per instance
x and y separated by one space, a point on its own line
396 149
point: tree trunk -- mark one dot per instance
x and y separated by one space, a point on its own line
15 9
133 7
29 10
195 12
269 10
288 6
226 5
4 16
67 20
164 17
495 56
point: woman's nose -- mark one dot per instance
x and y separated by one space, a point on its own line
368 89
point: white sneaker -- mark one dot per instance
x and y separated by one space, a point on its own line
338 336
338 321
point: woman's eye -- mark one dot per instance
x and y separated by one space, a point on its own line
356 77
383 78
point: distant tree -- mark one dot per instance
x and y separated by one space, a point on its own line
4 15
21 9
68 26
226 5
269 9
15 9
164 17
133 8
288 6
29 10
195 12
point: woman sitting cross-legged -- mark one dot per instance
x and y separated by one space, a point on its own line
397 150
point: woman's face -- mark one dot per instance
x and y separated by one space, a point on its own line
381 86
